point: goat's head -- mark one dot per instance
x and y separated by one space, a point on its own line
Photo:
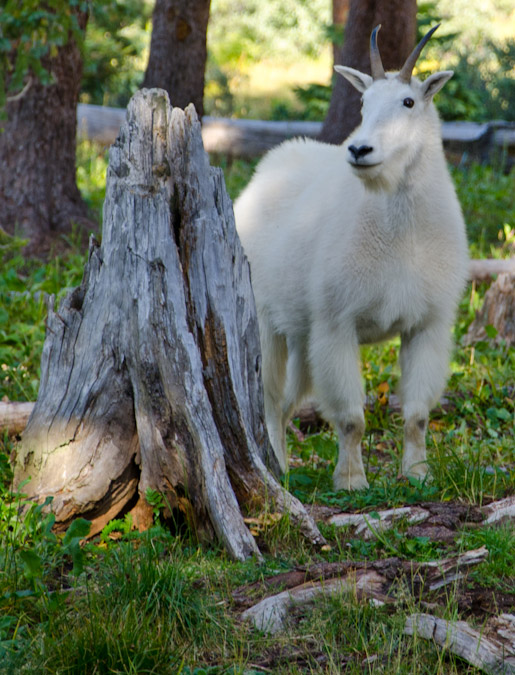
398 117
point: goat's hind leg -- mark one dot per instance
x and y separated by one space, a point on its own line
274 355
298 377
286 382
424 363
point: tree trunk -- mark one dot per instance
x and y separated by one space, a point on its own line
39 198
396 40
178 51
340 14
150 375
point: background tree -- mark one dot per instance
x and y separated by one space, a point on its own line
41 66
396 40
178 51
340 10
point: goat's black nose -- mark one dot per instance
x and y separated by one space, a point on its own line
361 151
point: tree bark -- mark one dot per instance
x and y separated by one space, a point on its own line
178 51
396 40
39 198
150 375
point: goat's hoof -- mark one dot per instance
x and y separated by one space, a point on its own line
358 482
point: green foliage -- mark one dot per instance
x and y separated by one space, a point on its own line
237 173
117 39
114 45
249 31
31 31
471 446
499 568
313 103
24 284
486 197
483 85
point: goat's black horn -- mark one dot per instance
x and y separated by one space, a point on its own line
375 57
407 69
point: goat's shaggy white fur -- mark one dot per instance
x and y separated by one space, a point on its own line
348 250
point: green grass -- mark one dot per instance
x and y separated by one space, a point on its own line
154 603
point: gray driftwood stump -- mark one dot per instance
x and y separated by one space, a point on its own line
150 375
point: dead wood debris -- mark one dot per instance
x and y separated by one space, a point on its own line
437 519
369 580
268 604
491 648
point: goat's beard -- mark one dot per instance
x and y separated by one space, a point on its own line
376 179
376 182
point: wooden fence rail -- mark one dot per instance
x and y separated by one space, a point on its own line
463 141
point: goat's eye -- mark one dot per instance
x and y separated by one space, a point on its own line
408 102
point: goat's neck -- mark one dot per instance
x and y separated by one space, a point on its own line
414 191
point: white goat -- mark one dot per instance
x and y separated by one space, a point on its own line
354 244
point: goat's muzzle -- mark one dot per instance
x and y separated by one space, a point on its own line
359 152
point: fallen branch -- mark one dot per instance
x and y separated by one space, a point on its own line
492 654
500 510
20 94
440 573
370 580
368 526
435 515
270 614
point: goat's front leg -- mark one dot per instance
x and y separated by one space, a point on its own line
339 391
424 362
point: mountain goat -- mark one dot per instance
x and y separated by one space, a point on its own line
351 245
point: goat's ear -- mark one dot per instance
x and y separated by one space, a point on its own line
435 82
359 80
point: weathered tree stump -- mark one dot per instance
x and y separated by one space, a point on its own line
150 375
498 310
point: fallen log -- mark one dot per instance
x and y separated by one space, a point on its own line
463 141
484 269
494 654
14 416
